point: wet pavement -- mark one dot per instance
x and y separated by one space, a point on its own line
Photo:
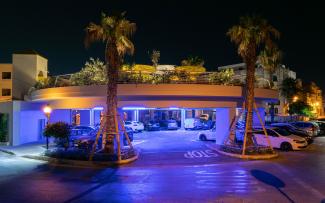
173 167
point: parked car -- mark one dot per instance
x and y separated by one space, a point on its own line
278 137
310 127
294 130
204 117
207 134
152 126
168 125
193 124
135 125
129 131
83 139
84 128
321 125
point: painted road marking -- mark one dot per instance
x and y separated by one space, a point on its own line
200 154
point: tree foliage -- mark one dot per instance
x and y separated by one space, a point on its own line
192 61
155 56
223 77
300 108
57 130
270 59
289 89
93 73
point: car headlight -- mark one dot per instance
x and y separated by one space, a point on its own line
299 141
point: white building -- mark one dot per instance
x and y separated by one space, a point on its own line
16 79
262 77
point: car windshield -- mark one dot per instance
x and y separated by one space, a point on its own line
282 132
127 122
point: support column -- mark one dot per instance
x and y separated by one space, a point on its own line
224 117
91 117
136 115
183 119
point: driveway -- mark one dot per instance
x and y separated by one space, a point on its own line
176 147
167 172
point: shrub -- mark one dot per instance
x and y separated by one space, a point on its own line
3 127
60 131
223 77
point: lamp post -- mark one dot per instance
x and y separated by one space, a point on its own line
47 111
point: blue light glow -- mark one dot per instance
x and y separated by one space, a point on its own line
173 108
100 108
134 108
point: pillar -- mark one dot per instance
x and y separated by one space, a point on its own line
224 116
183 111
91 117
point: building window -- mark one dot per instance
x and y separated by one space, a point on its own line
6 92
275 78
6 75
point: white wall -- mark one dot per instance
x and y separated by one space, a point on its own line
223 121
30 130
25 72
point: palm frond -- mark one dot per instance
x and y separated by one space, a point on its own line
94 33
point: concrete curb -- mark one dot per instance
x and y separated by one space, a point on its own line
7 151
251 157
81 164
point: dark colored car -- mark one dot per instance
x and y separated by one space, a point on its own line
295 131
321 125
84 138
310 127
152 126
207 124
168 125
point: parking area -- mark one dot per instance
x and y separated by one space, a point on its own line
176 147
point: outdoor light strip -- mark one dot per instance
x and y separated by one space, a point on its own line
98 108
134 108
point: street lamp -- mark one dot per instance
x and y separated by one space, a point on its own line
47 111
295 98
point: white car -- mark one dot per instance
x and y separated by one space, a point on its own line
135 125
207 134
279 138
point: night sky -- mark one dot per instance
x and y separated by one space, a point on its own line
178 29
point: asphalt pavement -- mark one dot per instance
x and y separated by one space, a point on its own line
174 166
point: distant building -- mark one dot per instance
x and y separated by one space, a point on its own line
262 77
6 82
27 67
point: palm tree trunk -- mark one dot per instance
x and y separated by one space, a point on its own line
250 61
112 64
272 104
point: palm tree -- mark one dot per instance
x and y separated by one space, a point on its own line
249 35
270 59
114 31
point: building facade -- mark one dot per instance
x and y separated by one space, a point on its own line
6 82
16 80
262 78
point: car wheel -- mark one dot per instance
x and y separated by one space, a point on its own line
286 146
203 138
